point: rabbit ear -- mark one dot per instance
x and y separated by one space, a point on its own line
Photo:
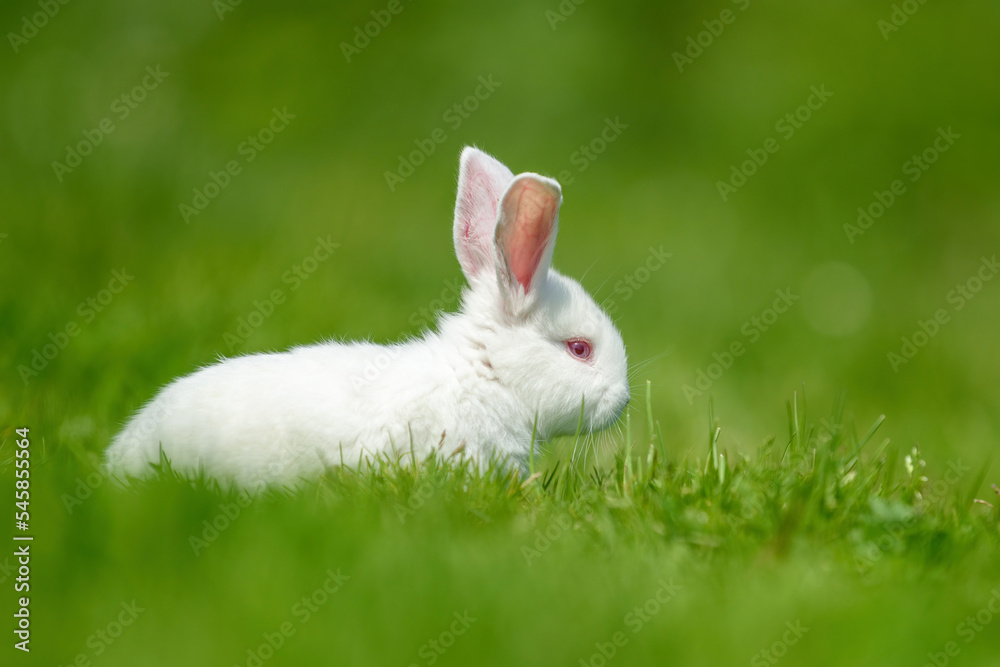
481 181
526 233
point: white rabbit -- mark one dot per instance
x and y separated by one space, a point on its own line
526 343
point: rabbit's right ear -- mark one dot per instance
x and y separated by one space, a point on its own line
525 238
482 180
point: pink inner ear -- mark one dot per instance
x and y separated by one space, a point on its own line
533 225
478 201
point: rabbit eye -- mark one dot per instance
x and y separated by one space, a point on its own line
579 348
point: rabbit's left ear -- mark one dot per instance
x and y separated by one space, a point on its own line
526 233
482 180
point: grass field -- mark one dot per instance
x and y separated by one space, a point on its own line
821 181
823 547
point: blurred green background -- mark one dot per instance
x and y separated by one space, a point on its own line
561 71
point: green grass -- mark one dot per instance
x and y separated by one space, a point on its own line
824 529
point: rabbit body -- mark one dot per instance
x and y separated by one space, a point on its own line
277 418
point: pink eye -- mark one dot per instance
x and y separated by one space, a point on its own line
579 348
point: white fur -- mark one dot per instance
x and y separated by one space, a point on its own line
480 379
